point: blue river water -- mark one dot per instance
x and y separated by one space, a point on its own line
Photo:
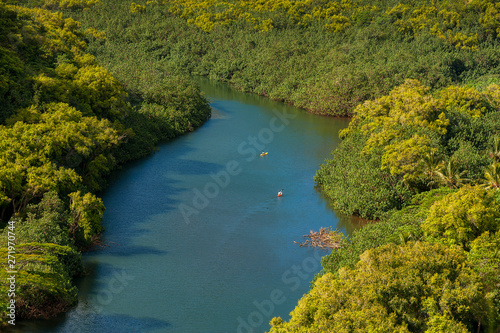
196 238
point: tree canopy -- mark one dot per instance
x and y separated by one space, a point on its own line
414 287
419 140
66 123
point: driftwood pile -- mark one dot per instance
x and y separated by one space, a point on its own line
323 239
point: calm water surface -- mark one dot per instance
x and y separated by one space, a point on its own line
197 240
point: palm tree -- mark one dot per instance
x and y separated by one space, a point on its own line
448 174
494 151
430 168
492 176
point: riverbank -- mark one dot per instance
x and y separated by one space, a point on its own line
59 147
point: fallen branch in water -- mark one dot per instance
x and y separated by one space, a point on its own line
324 239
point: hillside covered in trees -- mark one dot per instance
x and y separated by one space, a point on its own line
421 155
323 56
66 123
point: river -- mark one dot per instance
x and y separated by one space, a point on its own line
197 239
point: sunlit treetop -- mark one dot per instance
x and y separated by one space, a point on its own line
406 122
262 15
461 217
414 287
450 21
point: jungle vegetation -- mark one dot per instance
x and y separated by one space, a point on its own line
65 123
420 156
324 56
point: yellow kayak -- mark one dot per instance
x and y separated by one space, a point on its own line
264 153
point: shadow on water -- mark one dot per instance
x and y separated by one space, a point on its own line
81 322
142 190
115 249
101 286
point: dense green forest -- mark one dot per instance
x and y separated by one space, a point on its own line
65 123
420 156
323 56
